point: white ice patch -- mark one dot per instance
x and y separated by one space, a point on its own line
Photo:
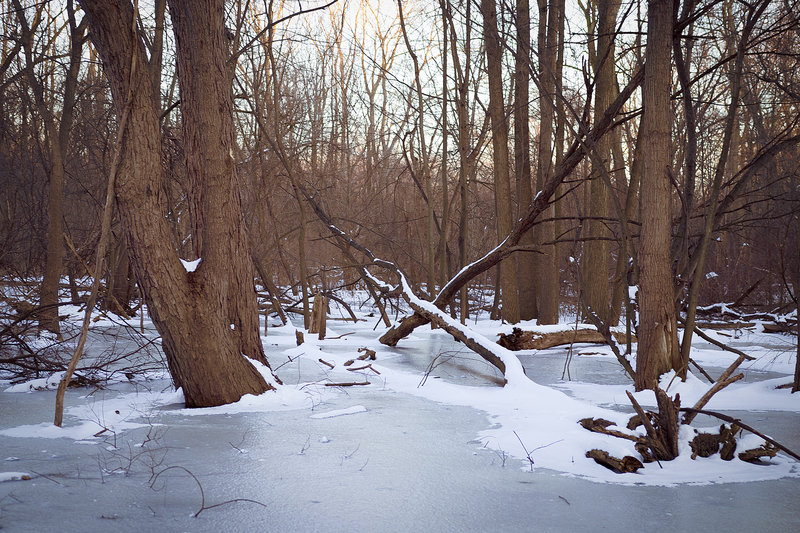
48 383
341 412
14 476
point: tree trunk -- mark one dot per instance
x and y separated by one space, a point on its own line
462 73
207 318
526 262
796 384
596 249
502 185
658 339
56 139
548 260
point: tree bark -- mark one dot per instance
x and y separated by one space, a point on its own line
658 340
547 261
526 263
502 185
207 318
596 249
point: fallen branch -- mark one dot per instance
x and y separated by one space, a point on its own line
627 464
530 340
365 367
717 343
723 381
599 425
701 370
203 506
742 425
351 384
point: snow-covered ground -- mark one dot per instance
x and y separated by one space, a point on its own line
433 443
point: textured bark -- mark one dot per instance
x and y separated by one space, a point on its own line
463 76
796 381
207 318
547 261
502 185
526 263
658 340
596 250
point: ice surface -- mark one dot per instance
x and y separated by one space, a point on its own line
433 444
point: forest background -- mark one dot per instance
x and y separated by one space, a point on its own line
316 147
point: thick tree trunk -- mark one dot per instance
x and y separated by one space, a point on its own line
207 318
502 184
658 340
596 250
526 263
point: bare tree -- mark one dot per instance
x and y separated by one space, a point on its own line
57 129
658 330
207 318
500 169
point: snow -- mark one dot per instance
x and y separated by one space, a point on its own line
14 476
433 426
191 266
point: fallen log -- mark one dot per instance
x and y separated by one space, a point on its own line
625 465
754 455
723 325
779 327
530 340
599 425
742 425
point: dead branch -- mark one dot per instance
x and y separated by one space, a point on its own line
471 343
351 384
723 381
662 438
717 343
529 340
754 455
365 367
742 425
599 425
625 465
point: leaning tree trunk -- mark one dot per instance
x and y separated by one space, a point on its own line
658 335
207 318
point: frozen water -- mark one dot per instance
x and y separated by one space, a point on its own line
393 456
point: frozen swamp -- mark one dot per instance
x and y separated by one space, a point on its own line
432 444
